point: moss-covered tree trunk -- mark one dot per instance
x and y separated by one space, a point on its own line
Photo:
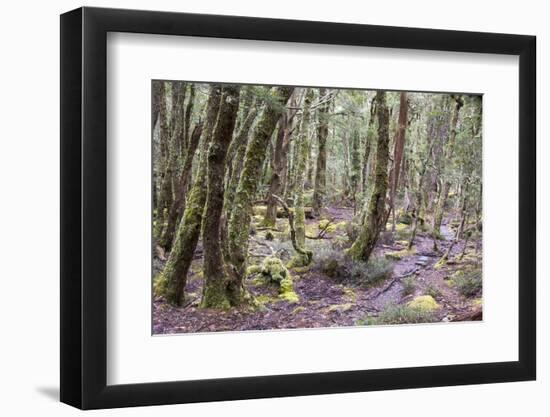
398 149
302 154
278 164
368 146
171 282
239 222
235 158
166 196
178 204
355 176
187 120
374 222
320 187
215 294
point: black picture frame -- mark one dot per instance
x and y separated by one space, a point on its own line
84 207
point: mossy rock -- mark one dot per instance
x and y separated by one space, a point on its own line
274 268
424 303
286 291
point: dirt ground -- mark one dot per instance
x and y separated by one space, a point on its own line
324 302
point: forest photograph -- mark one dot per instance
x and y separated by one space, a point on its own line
282 207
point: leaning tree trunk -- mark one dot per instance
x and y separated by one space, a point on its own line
239 222
171 282
365 242
302 153
214 294
320 187
178 204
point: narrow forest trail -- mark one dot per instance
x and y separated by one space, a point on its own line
324 302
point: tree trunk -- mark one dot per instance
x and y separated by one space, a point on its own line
278 161
171 282
239 222
368 145
165 197
365 242
320 188
398 152
178 204
302 153
438 216
214 293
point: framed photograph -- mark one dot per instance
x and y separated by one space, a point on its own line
257 208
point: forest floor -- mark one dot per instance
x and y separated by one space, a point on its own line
328 302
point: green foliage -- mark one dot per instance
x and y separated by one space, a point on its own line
424 303
409 285
468 283
342 268
433 291
403 314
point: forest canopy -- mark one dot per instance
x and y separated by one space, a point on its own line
294 207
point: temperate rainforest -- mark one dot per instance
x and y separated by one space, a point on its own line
281 207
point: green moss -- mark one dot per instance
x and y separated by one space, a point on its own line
340 307
298 310
286 291
253 269
398 255
425 303
274 268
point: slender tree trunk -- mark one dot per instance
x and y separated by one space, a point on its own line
398 152
368 145
165 198
438 216
214 293
188 114
320 188
171 282
239 222
365 242
278 161
178 204
302 153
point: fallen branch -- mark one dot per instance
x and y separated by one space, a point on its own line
322 232
392 282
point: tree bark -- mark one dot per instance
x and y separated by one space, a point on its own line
320 187
365 242
214 293
438 216
302 153
398 152
171 282
239 222
178 204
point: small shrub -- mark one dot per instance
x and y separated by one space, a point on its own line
433 291
404 314
409 285
337 265
468 283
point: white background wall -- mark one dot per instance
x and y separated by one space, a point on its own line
29 174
